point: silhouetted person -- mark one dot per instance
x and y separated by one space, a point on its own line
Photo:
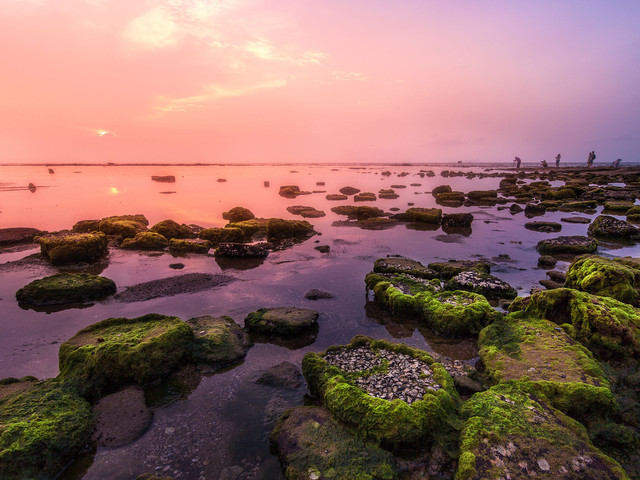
591 158
558 161
616 163
544 164
517 161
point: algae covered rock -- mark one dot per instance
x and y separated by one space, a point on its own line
403 265
305 211
238 214
241 250
576 245
171 229
120 351
388 392
275 229
361 212
481 283
458 220
219 341
44 425
222 235
145 241
66 247
284 321
605 277
611 228
608 328
448 270
543 226
510 433
63 288
127 226
540 354
311 444
423 215
180 246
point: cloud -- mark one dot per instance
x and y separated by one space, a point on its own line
154 29
349 76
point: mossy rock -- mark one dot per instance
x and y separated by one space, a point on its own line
86 226
607 327
392 422
404 282
481 283
605 226
120 351
219 341
361 212
441 189
273 228
543 226
620 208
285 321
457 313
605 277
311 444
127 226
44 425
450 198
401 265
581 205
513 433
63 288
561 193
365 197
238 214
538 352
66 247
483 194
145 241
223 235
633 214
423 215
575 245
171 229
448 270
180 246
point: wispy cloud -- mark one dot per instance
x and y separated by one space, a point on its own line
349 76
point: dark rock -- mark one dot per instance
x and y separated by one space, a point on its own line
166 287
466 385
576 245
163 178
557 276
403 266
532 210
359 212
241 250
349 190
457 219
550 284
178 247
315 294
448 270
323 248
547 227
145 241
441 189
387 194
64 288
365 197
284 375
281 321
605 226
238 214
547 261
484 284
17 235
120 418
171 229
336 196
219 342
176 266
66 247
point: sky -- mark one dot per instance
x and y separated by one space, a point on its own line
241 81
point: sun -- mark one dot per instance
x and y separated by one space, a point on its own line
102 133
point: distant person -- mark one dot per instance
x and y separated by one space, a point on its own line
558 161
544 164
517 161
616 163
591 158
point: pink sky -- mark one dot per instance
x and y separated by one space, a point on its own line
318 81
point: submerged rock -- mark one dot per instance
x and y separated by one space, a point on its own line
305 211
63 288
457 219
219 342
241 250
543 226
163 178
166 287
316 294
283 375
360 212
576 245
127 226
66 247
120 418
285 321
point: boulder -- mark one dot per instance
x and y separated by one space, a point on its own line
423 215
284 321
605 226
145 241
127 226
399 265
219 342
222 235
241 250
305 212
86 226
120 418
546 262
533 209
349 190
291 191
459 220
575 245
441 189
482 283
66 247
283 375
17 235
179 246
170 229
365 197
238 214
64 288
546 227
360 212
448 270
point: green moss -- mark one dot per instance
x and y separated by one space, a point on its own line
118 351
223 235
619 207
127 226
448 270
457 313
145 241
219 341
394 422
63 247
177 246
575 245
64 288
360 212
170 229
424 215
604 277
238 214
284 321
398 265
607 327
309 442
511 430
42 428
279 229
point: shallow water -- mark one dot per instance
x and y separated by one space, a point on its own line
220 429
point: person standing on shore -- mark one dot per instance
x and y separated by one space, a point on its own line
591 158
517 161
558 161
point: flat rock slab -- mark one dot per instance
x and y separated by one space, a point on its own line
583 220
543 226
120 418
403 265
281 321
63 288
574 244
16 235
284 375
166 287
316 294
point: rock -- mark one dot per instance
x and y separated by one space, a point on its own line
315 294
575 245
323 248
163 178
127 226
170 229
86 226
532 210
291 191
483 195
238 214
285 321
550 284
178 247
283 375
605 277
360 212
349 190
448 270
241 250
441 189
387 194
166 287
365 197
546 262
557 276
221 180
453 199
611 228
152 476
543 226
120 418
44 426
17 235
466 385
404 266
458 313
423 215
527 435
121 351
515 208
66 247
64 288
309 442
457 219
274 229
336 196
306 212
145 241
584 220
481 283
176 266
415 410
219 342
223 235
620 208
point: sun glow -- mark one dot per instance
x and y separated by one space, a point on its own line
102 133
114 190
